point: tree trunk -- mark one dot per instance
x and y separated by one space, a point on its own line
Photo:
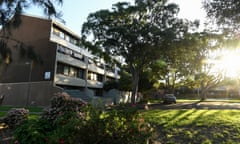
135 80
203 94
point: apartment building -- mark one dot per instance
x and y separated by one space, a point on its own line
65 66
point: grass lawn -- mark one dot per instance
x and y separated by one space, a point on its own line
30 108
33 110
195 126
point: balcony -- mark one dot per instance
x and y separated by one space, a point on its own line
70 60
71 81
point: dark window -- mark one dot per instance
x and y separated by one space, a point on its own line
98 92
81 73
60 68
70 70
99 77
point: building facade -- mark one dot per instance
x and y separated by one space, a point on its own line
65 66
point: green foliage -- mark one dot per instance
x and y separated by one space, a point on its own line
114 126
66 129
10 12
61 104
124 83
13 8
71 122
139 33
15 117
32 131
225 13
108 85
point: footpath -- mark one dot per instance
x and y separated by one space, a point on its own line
197 105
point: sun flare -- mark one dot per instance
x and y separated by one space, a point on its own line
229 63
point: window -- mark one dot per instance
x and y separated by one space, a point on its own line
110 79
61 34
92 76
70 71
80 73
67 38
95 77
99 77
78 56
98 92
73 41
61 48
65 70
56 31
110 68
60 68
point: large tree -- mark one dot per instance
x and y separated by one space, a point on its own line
224 12
14 8
139 33
224 18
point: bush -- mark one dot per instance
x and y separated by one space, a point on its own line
60 105
73 122
15 117
33 131
97 126
114 127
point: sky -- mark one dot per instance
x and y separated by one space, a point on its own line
75 12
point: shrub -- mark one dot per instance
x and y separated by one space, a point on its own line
15 117
72 122
32 131
98 126
60 105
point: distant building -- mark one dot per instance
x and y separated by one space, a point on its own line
65 65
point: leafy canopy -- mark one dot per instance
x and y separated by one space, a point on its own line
10 12
13 8
224 12
139 33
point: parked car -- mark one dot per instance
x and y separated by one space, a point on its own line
169 98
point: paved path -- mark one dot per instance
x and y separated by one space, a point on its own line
197 105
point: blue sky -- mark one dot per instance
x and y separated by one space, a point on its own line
75 12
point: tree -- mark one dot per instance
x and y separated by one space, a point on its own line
14 8
224 12
10 12
224 16
183 59
139 33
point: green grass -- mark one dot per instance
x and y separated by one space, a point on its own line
33 110
195 126
2 114
30 108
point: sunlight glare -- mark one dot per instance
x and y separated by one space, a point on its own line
230 64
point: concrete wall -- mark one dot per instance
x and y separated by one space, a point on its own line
28 94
